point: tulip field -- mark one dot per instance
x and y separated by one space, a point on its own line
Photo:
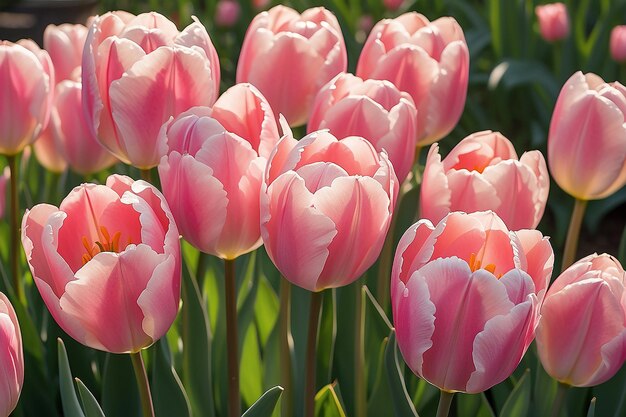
394 208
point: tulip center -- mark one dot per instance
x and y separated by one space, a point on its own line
476 264
107 243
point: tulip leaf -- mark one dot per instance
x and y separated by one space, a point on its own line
196 336
517 404
264 406
327 403
69 399
251 368
120 395
90 405
592 408
615 391
327 334
473 405
401 402
168 395
266 309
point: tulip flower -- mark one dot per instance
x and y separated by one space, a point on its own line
326 208
219 155
11 357
429 60
227 13
373 109
290 56
465 297
581 337
618 43
553 21
483 173
25 96
107 263
137 72
65 45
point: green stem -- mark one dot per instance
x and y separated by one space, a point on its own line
201 269
309 387
146 175
14 243
359 357
416 165
234 401
559 400
445 401
142 383
573 232
286 343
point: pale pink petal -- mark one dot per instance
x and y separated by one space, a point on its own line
160 299
539 257
435 194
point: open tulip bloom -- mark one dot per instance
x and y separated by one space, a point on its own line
11 357
466 296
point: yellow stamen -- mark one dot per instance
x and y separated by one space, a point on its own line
105 244
475 264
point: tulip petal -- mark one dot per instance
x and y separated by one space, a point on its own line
435 194
159 301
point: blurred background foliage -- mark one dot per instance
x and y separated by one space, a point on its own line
515 77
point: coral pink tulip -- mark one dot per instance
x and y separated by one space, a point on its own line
25 96
11 357
65 45
375 110
466 296
618 43
137 72
107 263
290 56
73 138
326 208
587 139
483 173
429 60
581 337
218 156
553 21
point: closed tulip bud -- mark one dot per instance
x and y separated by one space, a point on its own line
587 139
25 96
107 263
553 21
137 72
65 45
373 109
227 12
465 296
219 155
581 337
326 207
428 60
482 173
11 357
618 43
289 56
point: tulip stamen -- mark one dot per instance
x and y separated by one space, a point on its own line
475 264
105 244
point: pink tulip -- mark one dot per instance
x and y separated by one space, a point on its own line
290 56
429 60
138 71
618 43
65 45
218 156
48 153
553 21
483 173
466 296
587 139
326 206
581 338
373 109
227 12
25 96
11 357
4 179
393 5
107 263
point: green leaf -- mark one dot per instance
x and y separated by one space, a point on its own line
251 368
517 404
402 404
592 408
327 334
168 395
69 399
90 405
266 309
327 403
120 396
264 406
473 405
196 335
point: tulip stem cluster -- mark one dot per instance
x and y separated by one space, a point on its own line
573 232
311 352
445 401
234 402
15 225
143 384
286 343
359 357
559 399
